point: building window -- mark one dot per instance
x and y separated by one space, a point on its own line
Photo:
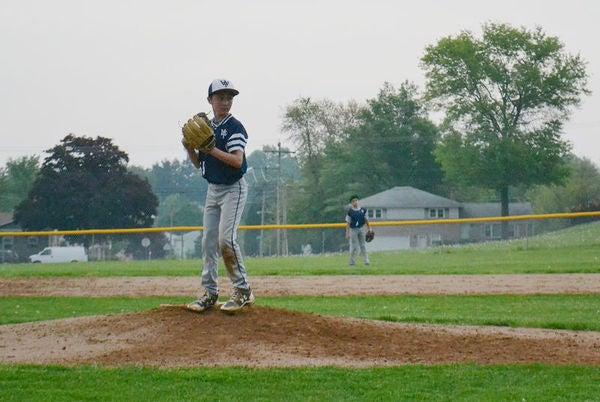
438 213
493 231
376 213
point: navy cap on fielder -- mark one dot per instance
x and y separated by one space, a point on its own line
221 85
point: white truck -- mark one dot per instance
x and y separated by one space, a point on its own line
52 255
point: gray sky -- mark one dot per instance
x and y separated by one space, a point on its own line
134 70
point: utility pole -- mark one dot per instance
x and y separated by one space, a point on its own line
277 218
280 215
262 223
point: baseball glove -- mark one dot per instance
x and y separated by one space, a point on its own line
198 133
369 236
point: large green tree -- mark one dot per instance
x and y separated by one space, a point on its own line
391 145
84 184
579 193
313 126
506 97
352 148
16 180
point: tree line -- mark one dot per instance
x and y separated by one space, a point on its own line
503 98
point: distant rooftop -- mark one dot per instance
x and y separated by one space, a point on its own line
410 197
407 197
5 218
491 209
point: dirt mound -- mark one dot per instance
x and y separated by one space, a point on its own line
265 337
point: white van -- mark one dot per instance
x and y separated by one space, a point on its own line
51 255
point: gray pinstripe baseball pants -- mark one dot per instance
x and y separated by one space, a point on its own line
222 215
357 242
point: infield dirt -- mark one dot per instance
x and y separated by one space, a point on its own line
266 337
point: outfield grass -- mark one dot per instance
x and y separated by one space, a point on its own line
405 383
573 251
505 258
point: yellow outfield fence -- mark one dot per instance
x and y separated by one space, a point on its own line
571 215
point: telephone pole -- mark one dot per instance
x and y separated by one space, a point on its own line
280 214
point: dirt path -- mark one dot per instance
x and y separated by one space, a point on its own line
264 337
359 285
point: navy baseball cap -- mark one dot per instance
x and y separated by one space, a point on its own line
353 197
222 85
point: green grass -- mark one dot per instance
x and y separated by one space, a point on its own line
506 259
14 310
406 383
575 250
574 312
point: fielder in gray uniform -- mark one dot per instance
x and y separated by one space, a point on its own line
223 167
356 219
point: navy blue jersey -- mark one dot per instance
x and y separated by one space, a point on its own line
230 136
356 217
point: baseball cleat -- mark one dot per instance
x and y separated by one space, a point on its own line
203 303
239 299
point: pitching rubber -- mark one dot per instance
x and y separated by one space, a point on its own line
217 306
185 307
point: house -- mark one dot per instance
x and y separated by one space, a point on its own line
411 204
484 231
16 248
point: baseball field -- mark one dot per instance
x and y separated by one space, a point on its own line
500 321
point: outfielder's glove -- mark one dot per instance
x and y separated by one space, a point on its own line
198 134
369 236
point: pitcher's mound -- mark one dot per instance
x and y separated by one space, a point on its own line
266 337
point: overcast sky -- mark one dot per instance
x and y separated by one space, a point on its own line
134 70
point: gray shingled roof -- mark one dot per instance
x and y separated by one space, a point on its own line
5 218
407 197
491 209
